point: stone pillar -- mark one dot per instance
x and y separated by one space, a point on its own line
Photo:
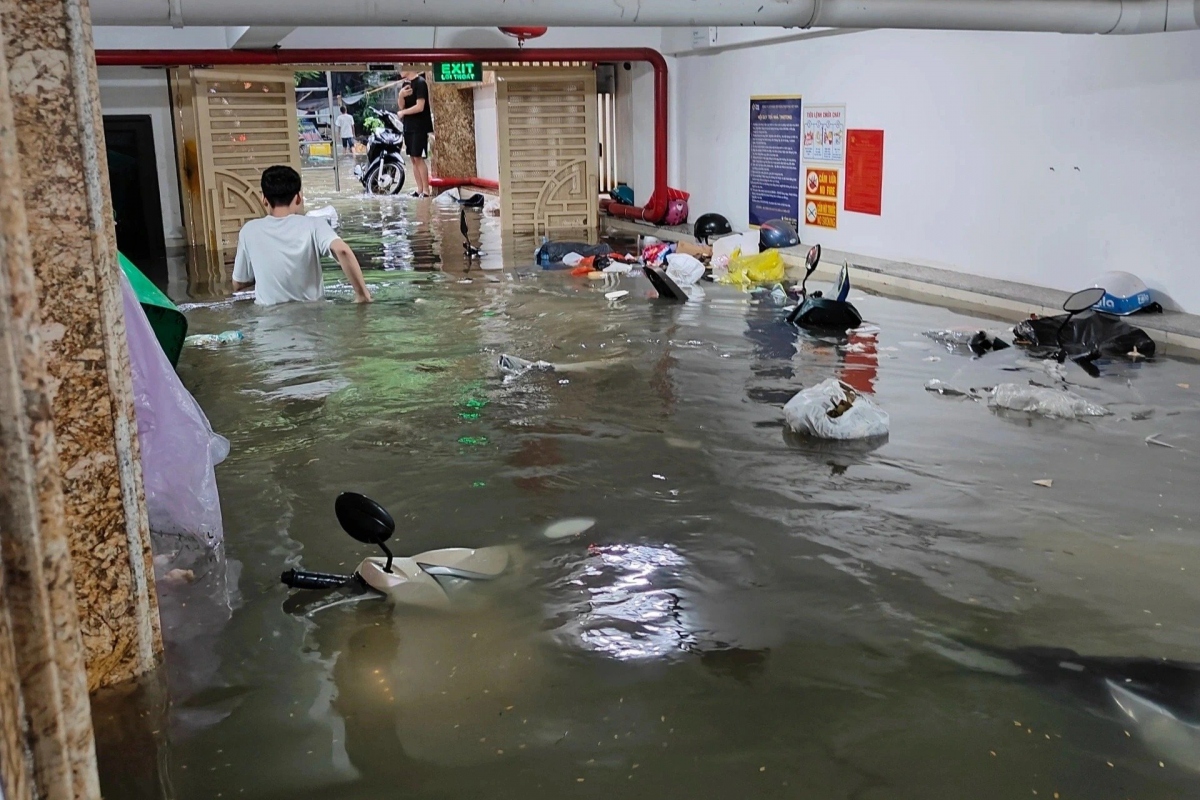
86 402
46 747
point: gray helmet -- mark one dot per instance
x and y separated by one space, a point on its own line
777 233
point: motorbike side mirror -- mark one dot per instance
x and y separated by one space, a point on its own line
1083 300
1075 304
812 259
810 265
366 521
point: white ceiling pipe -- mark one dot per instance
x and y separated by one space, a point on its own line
1059 16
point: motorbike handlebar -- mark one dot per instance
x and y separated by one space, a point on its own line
301 579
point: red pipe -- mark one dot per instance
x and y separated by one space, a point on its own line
654 211
454 183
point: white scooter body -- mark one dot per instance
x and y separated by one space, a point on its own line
413 580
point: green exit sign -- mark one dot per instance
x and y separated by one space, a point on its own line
458 72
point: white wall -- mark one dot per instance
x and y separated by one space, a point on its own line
133 90
487 134
1041 158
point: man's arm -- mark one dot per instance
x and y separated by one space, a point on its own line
415 109
243 271
349 264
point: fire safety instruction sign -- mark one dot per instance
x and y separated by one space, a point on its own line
821 190
864 172
775 159
824 134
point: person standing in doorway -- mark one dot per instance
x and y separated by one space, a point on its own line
345 126
418 126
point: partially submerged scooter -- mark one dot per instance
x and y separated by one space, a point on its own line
667 289
817 312
1083 334
417 580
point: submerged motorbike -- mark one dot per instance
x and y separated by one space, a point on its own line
418 580
384 170
823 313
1083 334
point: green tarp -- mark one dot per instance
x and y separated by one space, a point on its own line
170 326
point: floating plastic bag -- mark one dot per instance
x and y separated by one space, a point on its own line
834 410
179 448
214 339
328 213
745 271
1047 402
684 269
967 339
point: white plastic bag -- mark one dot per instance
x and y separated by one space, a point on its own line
684 269
328 213
834 410
179 448
1047 402
727 245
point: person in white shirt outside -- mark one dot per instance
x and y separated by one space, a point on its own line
345 127
280 254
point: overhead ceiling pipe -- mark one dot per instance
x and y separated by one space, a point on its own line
1051 16
654 211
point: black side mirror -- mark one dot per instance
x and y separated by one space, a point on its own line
1083 300
366 521
810 266
1075 304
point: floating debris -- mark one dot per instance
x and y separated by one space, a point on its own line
943 388
566 528
1045 483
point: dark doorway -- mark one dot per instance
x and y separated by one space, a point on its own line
133 176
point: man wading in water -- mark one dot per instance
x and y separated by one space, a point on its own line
280 254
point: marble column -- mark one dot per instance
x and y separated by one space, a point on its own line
86 398
46 746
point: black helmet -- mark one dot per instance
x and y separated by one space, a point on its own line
711 225
777 233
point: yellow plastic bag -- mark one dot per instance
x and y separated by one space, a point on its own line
745 271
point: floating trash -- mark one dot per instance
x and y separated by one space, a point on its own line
1046 402
566 528
214 339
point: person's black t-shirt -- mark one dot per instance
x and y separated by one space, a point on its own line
422 122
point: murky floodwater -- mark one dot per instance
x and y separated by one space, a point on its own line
751 616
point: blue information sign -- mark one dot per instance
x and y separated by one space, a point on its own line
775 129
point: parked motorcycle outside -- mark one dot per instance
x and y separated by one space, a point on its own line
384 170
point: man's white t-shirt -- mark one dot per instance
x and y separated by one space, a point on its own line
282 257
345 124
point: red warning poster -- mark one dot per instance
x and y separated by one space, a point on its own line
864 171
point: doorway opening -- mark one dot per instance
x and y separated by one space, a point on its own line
137 204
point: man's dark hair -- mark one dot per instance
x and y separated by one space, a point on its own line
280 185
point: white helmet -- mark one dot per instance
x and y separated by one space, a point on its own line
1124 293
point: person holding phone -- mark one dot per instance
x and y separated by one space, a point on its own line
418 127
